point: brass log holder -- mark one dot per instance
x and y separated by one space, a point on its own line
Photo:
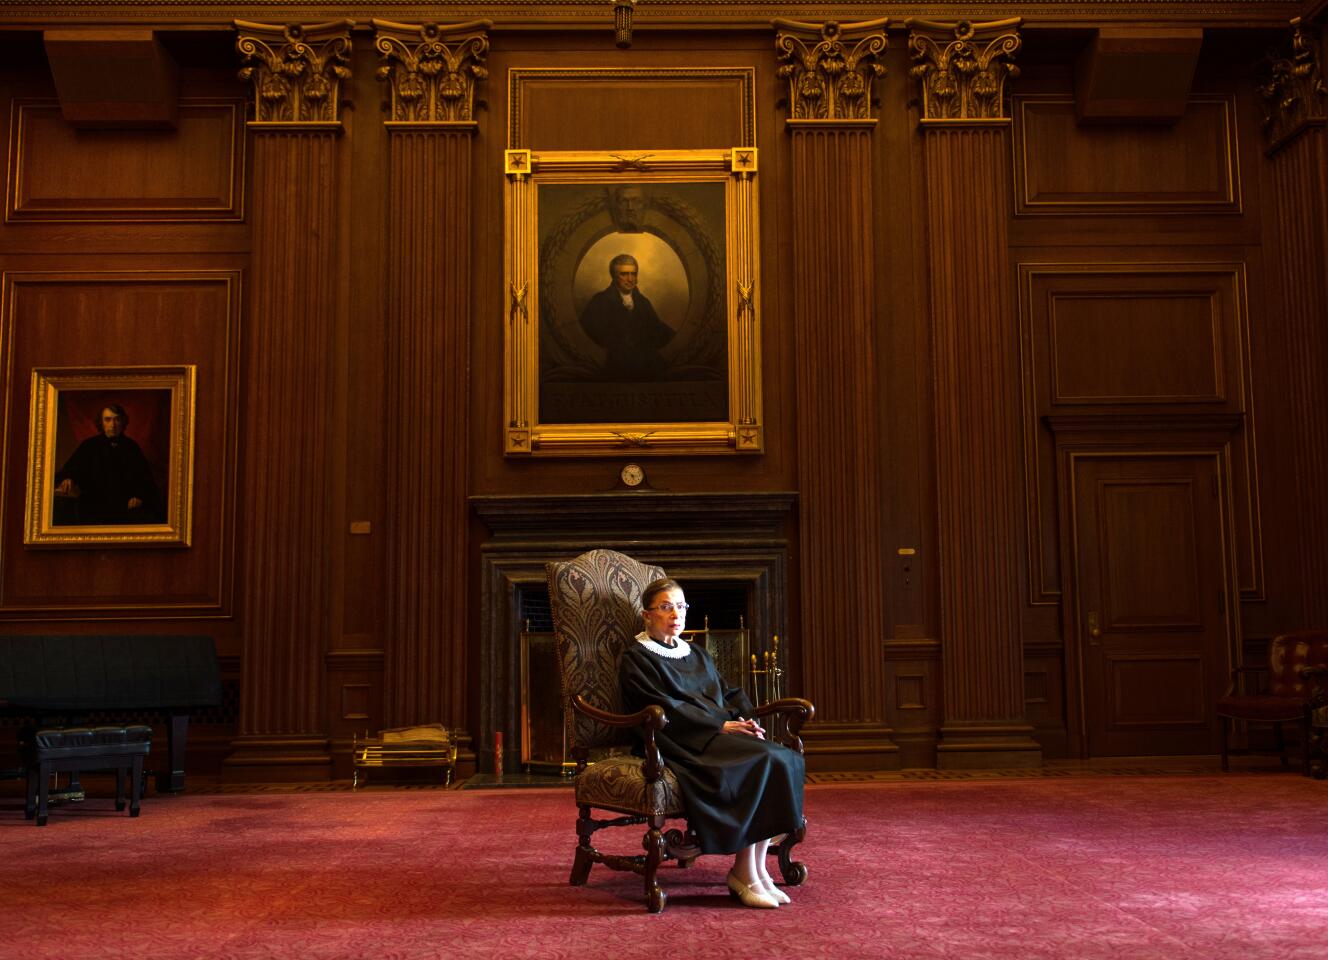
767 676
427 745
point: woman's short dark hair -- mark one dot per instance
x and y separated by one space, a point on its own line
663 585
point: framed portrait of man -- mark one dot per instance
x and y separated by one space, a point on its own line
110 456
632 319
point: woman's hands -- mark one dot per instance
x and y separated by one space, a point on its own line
748 728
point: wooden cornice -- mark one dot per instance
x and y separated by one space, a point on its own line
650 14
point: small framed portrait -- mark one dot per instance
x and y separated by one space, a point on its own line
632 310
110 457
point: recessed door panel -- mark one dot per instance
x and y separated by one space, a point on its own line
1157 691
1148 545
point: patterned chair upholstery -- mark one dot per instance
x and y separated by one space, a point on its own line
596 604
1294 691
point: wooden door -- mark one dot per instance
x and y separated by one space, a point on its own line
1151 598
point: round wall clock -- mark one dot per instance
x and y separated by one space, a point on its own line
632 475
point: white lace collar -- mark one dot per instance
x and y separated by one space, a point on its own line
673 653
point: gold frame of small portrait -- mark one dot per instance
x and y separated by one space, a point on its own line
47 384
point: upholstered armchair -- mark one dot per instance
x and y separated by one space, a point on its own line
1296 687
596 606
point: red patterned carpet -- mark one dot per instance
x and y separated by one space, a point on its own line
1208 868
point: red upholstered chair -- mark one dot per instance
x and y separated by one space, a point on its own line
596 604
1297 673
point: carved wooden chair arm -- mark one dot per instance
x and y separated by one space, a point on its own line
794 712
650 718
1318 678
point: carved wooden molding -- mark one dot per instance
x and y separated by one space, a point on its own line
597 15
962 68
830 67
622 22
1292 89
432 69
296 70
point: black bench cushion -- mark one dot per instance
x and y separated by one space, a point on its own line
65 742
108 672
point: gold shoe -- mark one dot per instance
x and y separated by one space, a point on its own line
773 892
751 896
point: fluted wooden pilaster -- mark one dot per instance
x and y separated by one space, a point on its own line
830 69
974 350
839 480
429 317
962 70
287 373
432 72
1298 173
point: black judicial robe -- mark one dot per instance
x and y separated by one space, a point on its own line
109 472
737 789
631 338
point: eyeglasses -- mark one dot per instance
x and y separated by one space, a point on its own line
669 606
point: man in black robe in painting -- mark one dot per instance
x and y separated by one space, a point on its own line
109 476
623 321
739 789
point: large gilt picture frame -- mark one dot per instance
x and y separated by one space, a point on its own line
632 319
110 457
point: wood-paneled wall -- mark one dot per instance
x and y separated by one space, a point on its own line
946 315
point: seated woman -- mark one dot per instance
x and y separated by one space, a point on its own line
739 788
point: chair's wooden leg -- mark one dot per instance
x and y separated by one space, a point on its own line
120 786
793 872
654 847
583 862
1226 731
1281 743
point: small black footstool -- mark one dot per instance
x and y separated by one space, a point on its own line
74 749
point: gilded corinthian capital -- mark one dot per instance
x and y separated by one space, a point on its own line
1292 88
963 67
830 67
432 69
296 70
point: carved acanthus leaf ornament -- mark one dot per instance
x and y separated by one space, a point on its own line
830 67
963 67
432 69
1292 89
296 70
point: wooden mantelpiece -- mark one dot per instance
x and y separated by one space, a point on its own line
716 538
626 517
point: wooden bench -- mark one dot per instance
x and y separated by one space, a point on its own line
77 749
